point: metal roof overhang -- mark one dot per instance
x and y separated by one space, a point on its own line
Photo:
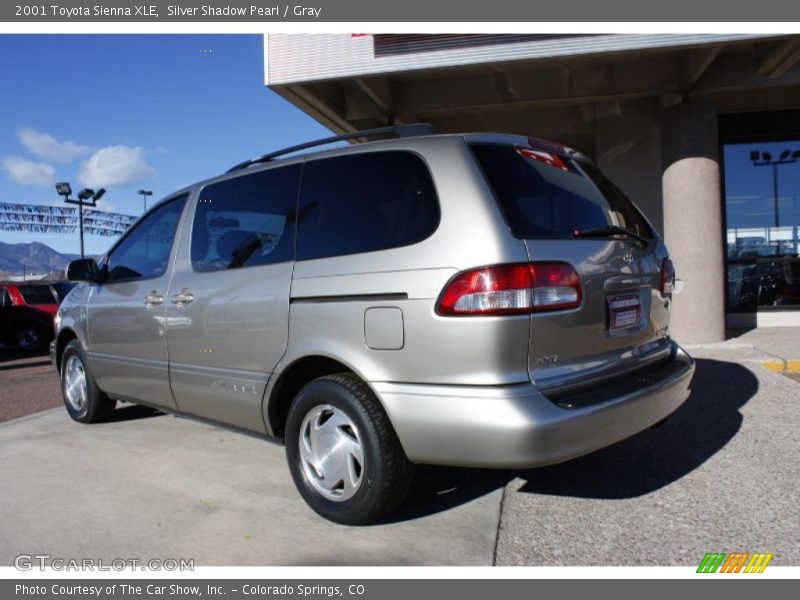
549 85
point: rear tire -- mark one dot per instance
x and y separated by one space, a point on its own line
343 453
84 401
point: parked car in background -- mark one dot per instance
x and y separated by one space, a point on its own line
26 314
62 288
471 300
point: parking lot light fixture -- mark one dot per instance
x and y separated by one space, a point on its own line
144 194
64 189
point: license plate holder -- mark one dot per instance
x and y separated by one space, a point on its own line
624 311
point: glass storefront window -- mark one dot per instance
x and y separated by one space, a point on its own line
762 206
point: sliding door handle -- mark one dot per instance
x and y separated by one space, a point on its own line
183 297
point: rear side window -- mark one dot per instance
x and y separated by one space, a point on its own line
546 195
37 294
246 221
623 211
363 203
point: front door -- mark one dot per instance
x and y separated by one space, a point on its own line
127 331
228 303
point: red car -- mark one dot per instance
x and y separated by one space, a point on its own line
26 314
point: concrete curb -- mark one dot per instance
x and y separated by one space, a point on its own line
719 346
30 417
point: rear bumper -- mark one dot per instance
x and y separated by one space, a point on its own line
516 426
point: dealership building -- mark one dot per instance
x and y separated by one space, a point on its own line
701 131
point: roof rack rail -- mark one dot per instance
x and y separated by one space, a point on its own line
411 130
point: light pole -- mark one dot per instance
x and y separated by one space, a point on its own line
64 189
764 159
144 194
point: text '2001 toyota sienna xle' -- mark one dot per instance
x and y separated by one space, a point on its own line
476 300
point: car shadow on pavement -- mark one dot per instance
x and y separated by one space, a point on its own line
9 354
650 460
132 412
437 489
656 457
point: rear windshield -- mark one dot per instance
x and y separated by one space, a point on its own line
36 294
545 195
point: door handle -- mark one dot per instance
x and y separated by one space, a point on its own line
153 299
183 297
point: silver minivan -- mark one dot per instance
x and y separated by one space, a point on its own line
478 300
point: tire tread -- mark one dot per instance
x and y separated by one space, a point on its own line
395 468
398 469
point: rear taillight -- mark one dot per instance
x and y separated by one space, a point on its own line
667 277
556 286
511 289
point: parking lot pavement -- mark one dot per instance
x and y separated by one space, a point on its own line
778 342
28 384
151 485
722 475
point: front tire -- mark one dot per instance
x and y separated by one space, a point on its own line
343 453
84 401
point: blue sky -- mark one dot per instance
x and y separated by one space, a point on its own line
132 111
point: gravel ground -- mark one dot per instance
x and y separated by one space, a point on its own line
28 384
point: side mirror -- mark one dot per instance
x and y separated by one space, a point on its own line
85 269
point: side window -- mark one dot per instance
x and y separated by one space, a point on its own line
365 202
144 252
5 300
246 221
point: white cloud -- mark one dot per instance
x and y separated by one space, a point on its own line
49 148
28 172
115 165
106 206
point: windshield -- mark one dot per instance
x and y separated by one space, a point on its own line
546 195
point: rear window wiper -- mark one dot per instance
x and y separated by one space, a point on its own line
609 231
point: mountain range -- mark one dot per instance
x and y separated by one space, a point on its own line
33 257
